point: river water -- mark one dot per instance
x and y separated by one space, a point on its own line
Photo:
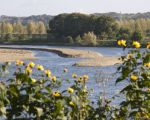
56 64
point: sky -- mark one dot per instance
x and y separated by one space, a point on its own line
54 7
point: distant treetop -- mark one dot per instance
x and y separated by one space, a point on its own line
45 18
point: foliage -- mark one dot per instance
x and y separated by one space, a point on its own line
25 97
137 36
77 24
123 34
89 39
36 18
105 25
108 26
19 28
135 70
69 39
45 18
78 40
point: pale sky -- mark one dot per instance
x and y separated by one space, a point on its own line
54 7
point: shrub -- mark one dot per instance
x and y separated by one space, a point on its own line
89 39
8 37
78 40
69 40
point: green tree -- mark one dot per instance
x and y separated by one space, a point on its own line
106 25
57 25
77 24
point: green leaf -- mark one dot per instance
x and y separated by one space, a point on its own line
14 90
146 83
147 58
129 87
119 79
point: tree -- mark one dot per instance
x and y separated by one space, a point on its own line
3 27
77 24
89 39
57 24
31 28
18 28
8 28
138 26
105 24
141 25
0 28
41 28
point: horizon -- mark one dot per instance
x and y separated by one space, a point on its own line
74 12
39 7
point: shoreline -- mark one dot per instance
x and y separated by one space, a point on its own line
93 59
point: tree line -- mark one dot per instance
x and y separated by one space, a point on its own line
18 28
134 29
80 29
89 29
19 32
45 18
74 26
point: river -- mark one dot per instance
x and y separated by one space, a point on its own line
56 64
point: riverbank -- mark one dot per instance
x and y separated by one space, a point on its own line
7 55
92 58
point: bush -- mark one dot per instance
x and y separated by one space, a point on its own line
78 40
89 39
8 37
69 40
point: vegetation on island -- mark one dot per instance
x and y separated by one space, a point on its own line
75 28
34 92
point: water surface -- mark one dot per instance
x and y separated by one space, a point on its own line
56 64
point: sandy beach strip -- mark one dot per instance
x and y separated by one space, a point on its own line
92 58
100 61
9 55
